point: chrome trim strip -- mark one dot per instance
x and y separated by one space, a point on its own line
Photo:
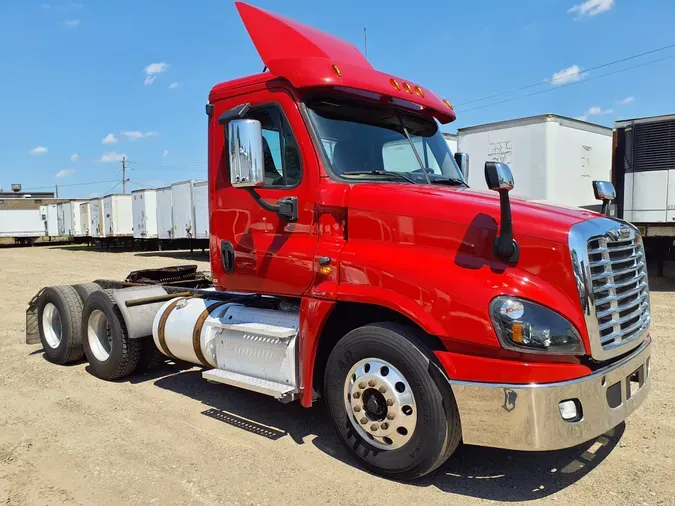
579 237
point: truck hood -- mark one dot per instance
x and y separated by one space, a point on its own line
464 206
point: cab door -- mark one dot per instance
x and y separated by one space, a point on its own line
253 249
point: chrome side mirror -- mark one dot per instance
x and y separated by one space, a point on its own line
605 191
462 160
498 176
245 149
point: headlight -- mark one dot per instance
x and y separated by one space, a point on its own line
522 325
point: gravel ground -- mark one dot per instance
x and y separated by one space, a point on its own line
171 438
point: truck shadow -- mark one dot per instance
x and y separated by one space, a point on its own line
473 471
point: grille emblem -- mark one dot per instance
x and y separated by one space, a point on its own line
618 233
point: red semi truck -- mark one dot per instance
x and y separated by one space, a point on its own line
351 262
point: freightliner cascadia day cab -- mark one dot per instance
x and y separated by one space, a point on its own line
351 262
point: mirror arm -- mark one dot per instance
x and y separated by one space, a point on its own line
262 202
505 247
605 207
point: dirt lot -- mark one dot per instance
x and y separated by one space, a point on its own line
171 438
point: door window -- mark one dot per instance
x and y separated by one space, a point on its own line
280 149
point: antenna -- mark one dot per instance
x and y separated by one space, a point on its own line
365 43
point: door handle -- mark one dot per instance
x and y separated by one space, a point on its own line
227 256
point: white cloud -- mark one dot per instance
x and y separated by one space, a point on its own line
134 136
627 100
152 70
568 75
111 156
72 23
174 84
74 157
166 153
591 7
65 172
40 150
109 139
598 111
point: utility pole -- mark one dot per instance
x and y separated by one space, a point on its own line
124 174
57 191
365 43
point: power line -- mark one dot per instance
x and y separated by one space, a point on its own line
111 189
143 185
567 76
188 166
69 185
566 85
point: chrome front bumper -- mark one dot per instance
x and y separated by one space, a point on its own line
527 417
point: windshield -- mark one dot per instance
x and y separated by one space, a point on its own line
368 141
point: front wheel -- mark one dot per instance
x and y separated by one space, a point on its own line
390 409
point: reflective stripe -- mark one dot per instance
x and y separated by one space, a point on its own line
197 332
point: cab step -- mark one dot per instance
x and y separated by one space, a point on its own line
281 392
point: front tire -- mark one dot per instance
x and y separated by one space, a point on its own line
391 410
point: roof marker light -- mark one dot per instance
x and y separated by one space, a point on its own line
447 102
419 91
407 88
395 84
336 69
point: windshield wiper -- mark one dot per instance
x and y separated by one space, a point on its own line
379 173
452 181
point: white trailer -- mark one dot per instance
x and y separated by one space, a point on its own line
182 209
144 208
164 214
96 212
64 218
85 218
51 220
553 158
21 223
451 139
79 227
117 215
201 205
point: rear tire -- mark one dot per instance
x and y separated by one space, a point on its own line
59 324
380 371
110 351
86 289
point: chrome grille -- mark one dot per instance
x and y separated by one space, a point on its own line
611 275
620 291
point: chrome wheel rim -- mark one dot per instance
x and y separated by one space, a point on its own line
99 335
380 403
51 325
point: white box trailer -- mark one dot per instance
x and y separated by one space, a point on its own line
117 215
85 218
182 209
79 228
21 223
164 214
64 215
553 158
451 139
201 205
144 209
96 212
51 220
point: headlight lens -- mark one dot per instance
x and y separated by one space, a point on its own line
523 325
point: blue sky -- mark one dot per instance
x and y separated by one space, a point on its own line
83 82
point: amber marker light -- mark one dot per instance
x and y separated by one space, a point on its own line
447 102
395 84
325 270
336 69
419 91
407 88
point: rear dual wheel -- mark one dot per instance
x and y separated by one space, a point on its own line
59 316
390 409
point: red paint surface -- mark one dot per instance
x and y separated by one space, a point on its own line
305 56
423 251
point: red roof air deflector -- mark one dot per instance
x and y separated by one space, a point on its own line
305 56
